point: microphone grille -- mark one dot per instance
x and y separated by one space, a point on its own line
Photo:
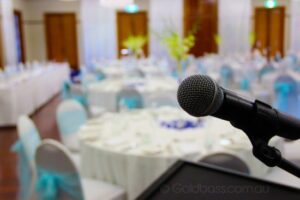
199 95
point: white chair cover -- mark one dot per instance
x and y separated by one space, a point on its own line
54 162
29 140
29 137
70 116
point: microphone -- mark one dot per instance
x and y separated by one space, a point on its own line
200 96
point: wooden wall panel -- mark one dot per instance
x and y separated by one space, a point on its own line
276 42
261 25
202 14
61 36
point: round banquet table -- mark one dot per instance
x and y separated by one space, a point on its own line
104 94
132 149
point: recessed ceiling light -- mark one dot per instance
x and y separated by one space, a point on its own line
132 8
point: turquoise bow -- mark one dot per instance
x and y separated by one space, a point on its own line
131 102
66 94
50 183
245 84
283 90
23 170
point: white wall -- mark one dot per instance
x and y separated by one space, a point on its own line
8 32
295 26
98 31
234 26
143 4
164 14
33 22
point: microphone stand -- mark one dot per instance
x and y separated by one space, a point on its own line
270 156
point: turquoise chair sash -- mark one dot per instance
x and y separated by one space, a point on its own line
245 84
130 102
65 91
283 91
226 75
66 94
23 171
50 183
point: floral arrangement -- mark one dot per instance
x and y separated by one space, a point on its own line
252 38
135 44
177 46
218 39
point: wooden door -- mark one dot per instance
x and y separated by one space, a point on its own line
202 15
131 24
61 36
269 30
261 27
18 22
276 33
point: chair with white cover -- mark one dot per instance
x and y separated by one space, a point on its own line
29 140
227 161
58 178
226 76
286 100
70 116
161 100
129 98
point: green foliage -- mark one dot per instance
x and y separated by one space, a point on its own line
178 47
218 39
135 43
252 38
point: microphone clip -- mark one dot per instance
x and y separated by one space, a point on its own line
270 156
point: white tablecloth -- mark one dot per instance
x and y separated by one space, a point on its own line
104 93
23 93
133 149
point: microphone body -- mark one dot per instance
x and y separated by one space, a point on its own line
201 96
257 116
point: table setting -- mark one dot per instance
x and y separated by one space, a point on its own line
131 149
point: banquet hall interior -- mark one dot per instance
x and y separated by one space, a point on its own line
89 92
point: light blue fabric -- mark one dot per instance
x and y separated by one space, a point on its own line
130 102
33 140
266 70
100 76
201 67
50 184
65 91
66 94
284 93
226 76
245 84
69 122
23 170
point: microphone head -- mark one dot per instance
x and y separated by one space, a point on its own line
200 96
